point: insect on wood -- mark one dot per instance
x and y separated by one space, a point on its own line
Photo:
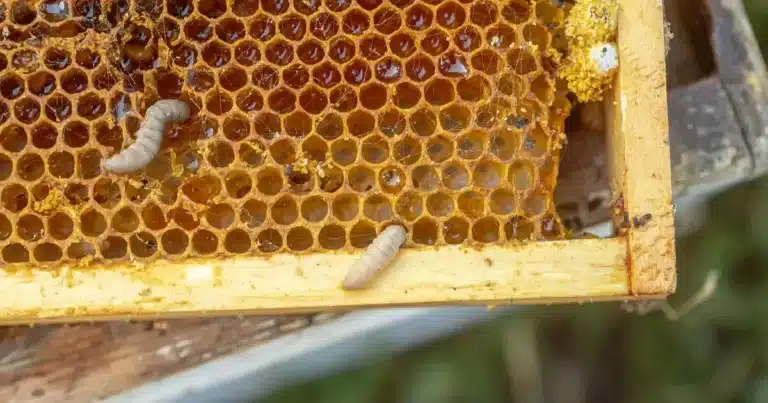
379 254
149 137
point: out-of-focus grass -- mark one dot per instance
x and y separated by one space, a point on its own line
717 353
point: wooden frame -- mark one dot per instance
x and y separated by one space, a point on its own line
637 263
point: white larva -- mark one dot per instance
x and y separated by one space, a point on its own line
379 254
149 137
605 56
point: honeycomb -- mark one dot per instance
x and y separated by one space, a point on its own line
315 124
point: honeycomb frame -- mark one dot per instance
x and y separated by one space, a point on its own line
637 262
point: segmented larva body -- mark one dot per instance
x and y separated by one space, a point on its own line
379 254
149 137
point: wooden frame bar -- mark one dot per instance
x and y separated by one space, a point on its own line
638 262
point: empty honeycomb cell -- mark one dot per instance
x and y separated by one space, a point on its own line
186 56
26 110
105 135
41 83
455 230
387 20
423 122
269 181
521 61
377 208
332 237
326 75
269 241
47 252
13 138
392 179
439 92
220 215
202 189
537 35
243 8
30 227
343 98
60 226
451 15
483 13
220 154
345 207
488 174
74 81
26 60
373 47
420 68
486 230
536 204
468 39
314 209
306 7
169 30
455 118
87 58
218 102
425 178
373 96
251 154
22 12
58 108
89 164
120 105
425 231
247 53
299 239
313 100
338 5
153 217
103 79
357 72
440 204
487 61
113 247
92 223
402 44
238 184
418 17
143 244
409 206
11 86
236 127
6 167
504 144
536 142
230 30
125 220
237 241
76 193
406 95
361 179
440 148
5 112
267 125
30 167
283 151
310 52
314 148
391 122
543 89
61 164
521 175
174 241
407 150
282 100
15 253
362 234
472 144
473 89
375 150
355 22
503 201
471 204
249 100
198 30
56 59
519 228
341 51
253 213
90 106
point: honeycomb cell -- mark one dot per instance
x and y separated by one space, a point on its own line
315 148
389 70
361 179
6 167
296 76
537 35
74 81
143 244
435 42
517 11
420 68
409 206
249 100
468 39
440 204
247 53
174 241
202 189
283 151
90 106
306 7
103 79
198 30
220 215
521 175
218 102
483 13
47 252
113 247
355 22
244 8
237 241
58 108
536 142
473 89
362 234
299 239
341 51
504 143
332 237
89 164
314 100
543 89
26 60
503 201
387 20
375 150
391 179
407 151
106 193
343 98
30 227
251 154
184 218
76 194
30 167
521 61
487 61
471 204
230 30
402 44
22 12
519 228
269 241
238 184
486 230
536 203
153 217
373 47
451 15
185 55
439 91
357 72
27 110
106 136
324 26
425 178
269 181
92 223
120 104
169 30
15 253
41 83
61 164
361 123
204 242
125 220
13 138
56 59
418 17
11 86
455 230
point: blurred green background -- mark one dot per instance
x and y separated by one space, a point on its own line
599 353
